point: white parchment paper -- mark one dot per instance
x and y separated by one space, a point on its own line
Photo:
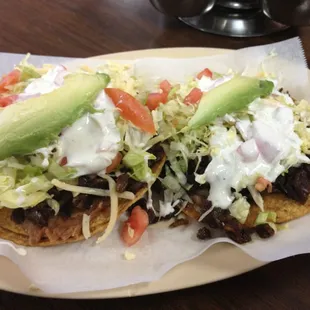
86 266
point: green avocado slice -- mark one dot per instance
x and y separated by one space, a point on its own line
229 97
36 122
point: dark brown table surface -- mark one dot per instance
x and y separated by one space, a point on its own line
82 28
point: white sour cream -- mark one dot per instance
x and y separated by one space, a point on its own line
93 141
267 148
48 82
206 84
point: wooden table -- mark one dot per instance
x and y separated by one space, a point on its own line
82 28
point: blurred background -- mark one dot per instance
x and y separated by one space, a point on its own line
83 28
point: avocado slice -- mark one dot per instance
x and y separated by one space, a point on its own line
36 122
229 97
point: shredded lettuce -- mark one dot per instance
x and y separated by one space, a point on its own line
137 160
302 123
28 71
6 182
240 209
171 183
29 171
173 92
27 195
54 204
12 199
32 185
136 138
60 172
264 217
21 184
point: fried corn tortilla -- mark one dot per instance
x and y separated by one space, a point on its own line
286 209
68 230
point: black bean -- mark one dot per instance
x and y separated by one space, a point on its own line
94 181
264 230
211 221
65 198
203 233
54 192
122 182
205 160
65 204
158 187
84 180
234 229
200 189
134 186
190 171
245 192
198 200
206 206
40 214
18 216
83 201
239 237
158 152
295 183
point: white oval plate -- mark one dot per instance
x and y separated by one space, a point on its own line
221 261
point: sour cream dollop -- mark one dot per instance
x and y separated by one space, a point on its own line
267 148
93 141
90 143
206 84
48 82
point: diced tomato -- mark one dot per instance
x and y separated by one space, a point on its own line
115 162
154 99
193 97
131 109
9 79
7 100
135 226
63 161
165 86
262 184
205 72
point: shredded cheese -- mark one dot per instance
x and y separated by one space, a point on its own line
33 288
129 255
257 197
91 191
86 226
113 207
